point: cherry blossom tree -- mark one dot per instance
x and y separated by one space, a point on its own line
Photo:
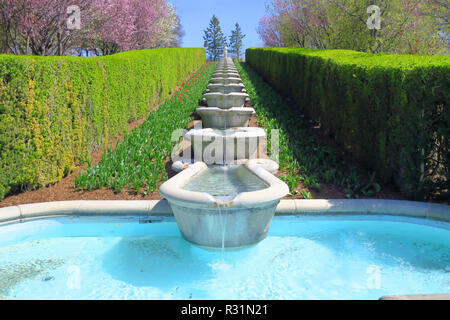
170 30
107 26
407 26
123 25
39 26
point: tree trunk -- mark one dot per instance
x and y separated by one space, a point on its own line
59 43
28 45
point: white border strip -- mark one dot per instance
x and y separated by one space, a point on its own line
443 296
318 207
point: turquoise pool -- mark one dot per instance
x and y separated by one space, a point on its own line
341 257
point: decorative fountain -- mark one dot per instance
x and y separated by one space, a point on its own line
226 195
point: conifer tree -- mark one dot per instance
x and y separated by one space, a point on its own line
214 39
236 41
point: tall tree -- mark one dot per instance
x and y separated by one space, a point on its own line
41 27
236 41
169 35
214 39
269 31
407 26
130 24
179 31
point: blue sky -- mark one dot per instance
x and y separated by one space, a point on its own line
196 14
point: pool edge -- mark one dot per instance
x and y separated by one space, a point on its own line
438 296
316 207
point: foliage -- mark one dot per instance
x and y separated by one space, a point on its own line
171 30
407 26
269 31
389 111
130 24
39 26
236 41
214 40
55 110
107 26
302 158
139 161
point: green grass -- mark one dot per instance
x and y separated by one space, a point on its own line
301 157
139 161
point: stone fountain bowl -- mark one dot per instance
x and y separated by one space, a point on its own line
227 61
226 69
218 118
226 80
217 221
226 88
222 146
227 74
226 101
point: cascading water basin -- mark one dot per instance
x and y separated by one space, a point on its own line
224 206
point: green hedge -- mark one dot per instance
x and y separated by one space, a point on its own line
54 111
389 111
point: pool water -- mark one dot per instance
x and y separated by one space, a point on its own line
225 181
302 258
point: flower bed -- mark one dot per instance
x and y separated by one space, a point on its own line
139 161
54 111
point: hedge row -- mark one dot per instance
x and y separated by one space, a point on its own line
389 111
54 111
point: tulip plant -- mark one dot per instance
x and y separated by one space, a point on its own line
303 160
139 161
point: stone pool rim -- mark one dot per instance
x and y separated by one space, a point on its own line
297 207
310 207
174 192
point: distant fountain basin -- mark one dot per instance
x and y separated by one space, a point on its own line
217 118
226 64
226 88
224 206
225 74
226 101
226 70
226 80
215 146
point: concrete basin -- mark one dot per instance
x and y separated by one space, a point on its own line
211 219
218 118
226 101
225 88
224 146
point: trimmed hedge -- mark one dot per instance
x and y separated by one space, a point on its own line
389 111
54 111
